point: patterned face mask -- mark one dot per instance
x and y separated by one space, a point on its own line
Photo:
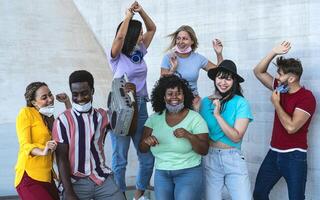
283 88
174 108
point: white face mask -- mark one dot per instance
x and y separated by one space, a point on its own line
82 108
47 111
174 108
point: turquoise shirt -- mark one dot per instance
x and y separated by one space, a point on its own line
236 108
174 153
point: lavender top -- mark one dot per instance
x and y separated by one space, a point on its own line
137 73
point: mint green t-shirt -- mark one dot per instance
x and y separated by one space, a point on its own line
174 153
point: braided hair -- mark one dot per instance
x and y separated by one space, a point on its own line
30 94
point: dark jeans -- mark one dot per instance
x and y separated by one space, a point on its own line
292 166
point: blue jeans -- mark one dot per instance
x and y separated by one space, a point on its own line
184 184
120 148
226 167
292 166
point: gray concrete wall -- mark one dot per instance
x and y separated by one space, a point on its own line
248 29
46 40
41 41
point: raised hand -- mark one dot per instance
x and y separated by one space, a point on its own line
217 46
136 7
173 62
62 97
282 48
129 12
217 104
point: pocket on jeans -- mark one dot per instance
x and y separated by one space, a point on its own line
298 156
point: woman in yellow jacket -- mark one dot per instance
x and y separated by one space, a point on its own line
33 178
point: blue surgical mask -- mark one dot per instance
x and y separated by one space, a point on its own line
283 88
47 111
174 108
82 108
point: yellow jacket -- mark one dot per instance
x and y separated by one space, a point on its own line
32 132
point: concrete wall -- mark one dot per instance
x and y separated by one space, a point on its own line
41 41
46 40
248 29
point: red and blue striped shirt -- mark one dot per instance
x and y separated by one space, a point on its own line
85 134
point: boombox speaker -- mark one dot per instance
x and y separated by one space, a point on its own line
121 107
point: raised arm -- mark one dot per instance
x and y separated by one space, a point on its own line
234 133
218 47
118 41
64 98
150 26
260 71
173 66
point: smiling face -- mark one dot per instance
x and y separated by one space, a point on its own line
81 93
43 98
174 96
223 83
183 40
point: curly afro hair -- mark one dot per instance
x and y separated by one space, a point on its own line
164 83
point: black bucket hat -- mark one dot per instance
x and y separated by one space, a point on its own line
227 65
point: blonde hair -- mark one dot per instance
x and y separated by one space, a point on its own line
191 33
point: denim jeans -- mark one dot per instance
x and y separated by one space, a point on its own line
120 147
184 184
292 166
226 167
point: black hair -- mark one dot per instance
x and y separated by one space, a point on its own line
81 76
290 65
132 36
234 90
166 82
30 93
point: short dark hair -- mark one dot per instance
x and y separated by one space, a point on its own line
164 83
132 36
290 65
81 76
30 93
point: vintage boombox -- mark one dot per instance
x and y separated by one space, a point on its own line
121 109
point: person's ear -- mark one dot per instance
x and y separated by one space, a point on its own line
292 79
33 102
92 91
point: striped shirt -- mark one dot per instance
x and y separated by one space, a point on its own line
85 134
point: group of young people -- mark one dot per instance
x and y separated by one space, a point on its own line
194 144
